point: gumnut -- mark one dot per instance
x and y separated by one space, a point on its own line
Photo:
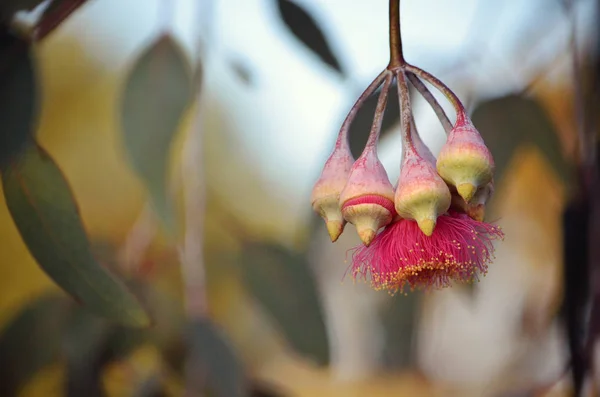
325 196
421 195
465 161
367 200
475 208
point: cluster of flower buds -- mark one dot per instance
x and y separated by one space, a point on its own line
428 231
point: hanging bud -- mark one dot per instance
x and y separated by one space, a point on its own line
367 200
476 207
421 194
464 161
326 192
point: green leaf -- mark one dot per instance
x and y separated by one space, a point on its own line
44 210
8 8
85 343
512 121
212 363
31 341
18 96
399 319
282 282
157 92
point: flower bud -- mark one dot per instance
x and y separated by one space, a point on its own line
326 192
464 161
421 194
476 207
367 200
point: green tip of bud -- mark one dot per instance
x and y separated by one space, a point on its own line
466 191
426 225
335 229
366 235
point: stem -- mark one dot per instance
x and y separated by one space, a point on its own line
405 111
443 88
396 55
191 251
586 146
433 102
54 15
138 240
342 138
379 112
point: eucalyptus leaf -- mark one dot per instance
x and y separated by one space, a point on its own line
44 210
84 344
512 121
31 341
150 387
212 363
302 25
157 92
399 319
283 284
18 96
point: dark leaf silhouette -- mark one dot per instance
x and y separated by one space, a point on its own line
158 90
305 28
31 341
18 96
44 210
212 363
576 284
281 281
8 8
84 345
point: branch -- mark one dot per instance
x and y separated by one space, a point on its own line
433 102
57 12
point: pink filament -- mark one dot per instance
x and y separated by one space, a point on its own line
459 249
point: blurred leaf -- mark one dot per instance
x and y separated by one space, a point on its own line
84 344
282 282
8 8
18 96
31 341
399 319
242 71
157 92
150 387
509 122
262 390
305 28
45 212
212 362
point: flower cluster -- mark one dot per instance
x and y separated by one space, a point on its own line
428 230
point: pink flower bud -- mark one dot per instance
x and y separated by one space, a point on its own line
326 192
465 161
421 194
367 200
476 207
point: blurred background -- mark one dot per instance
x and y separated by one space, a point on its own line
278 77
